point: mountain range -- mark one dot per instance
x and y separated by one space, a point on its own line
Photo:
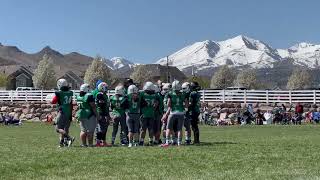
200 58
240 51
11 55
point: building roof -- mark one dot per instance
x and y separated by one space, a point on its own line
12 69
159 70
73 76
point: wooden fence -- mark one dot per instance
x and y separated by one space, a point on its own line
241 96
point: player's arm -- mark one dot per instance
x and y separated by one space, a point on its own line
125 104
156 103
92 104
186 103
165 116
55 98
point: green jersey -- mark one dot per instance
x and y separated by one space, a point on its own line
134 105
95 92
85 110
160 98
65 102
177 101
102 103
148 109
117 105
194 99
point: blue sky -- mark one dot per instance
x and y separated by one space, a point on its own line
146 30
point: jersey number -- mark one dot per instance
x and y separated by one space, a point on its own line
67 100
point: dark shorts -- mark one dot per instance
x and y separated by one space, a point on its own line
133 122
157 124
175 120
147 123
102 124
62 122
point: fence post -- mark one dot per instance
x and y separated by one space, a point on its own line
11 92
26 96
245 96
203 94
314 97
41 93
223 96
267 96
290 97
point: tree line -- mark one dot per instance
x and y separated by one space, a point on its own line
45 77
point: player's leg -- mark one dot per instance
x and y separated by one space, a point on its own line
135 129
157 129
180 121
124 130
99 133
60 128
195 128
116 122
83 133
169 129
144 126
91 124
150 127
187 124
69 139
130 121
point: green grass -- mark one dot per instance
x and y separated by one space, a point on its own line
252 152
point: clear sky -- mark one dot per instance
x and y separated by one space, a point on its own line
146 30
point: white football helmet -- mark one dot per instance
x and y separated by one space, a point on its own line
133 89
166 87
62 83
119 90
85 88
176 86
148 86
186 87
156 88
103 87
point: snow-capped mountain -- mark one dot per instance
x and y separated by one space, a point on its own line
116 63
303 54
238 51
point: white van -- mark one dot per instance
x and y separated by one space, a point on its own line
26 89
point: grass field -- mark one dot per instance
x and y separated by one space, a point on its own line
265 152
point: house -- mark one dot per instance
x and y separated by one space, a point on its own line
74 80
161 72
18 76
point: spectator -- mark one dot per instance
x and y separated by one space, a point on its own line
283 108
316 117
298 111
2 119
259 117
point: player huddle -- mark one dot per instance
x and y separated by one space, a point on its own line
162 109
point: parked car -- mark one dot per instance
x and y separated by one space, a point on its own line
21 91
